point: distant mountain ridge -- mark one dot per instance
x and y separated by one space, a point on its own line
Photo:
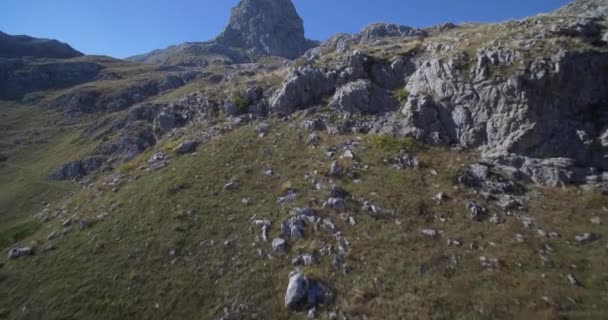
18 46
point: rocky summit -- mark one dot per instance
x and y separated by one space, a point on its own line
399 172
266 27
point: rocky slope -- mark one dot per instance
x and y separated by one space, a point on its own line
455 171
21 46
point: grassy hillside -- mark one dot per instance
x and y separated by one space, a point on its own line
174 243
33 141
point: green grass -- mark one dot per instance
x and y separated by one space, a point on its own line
124 269
37 142
401 95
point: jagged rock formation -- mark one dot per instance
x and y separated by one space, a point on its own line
266 27
25 46
256 28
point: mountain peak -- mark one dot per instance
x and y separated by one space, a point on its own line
266 27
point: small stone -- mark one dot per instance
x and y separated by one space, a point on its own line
496 219
476 212
553 234
290 196
15 253
303 260
279 245
54 235
337 204
246 201
66 223
348 154
586 238
527 221
490 263
47 248
352 221
519 238
596 221
541 233
312 139
429 232
335 169
441 196
452 242
573 280
230 186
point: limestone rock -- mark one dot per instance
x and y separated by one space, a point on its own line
375 31
188 146
363 97
16 253
303 87
266 27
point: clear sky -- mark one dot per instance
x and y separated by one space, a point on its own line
122 28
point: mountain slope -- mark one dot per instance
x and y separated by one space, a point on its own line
20 46
397 173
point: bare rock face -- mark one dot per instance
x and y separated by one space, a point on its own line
362 96
266 27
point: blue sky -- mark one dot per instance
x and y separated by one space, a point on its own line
122 28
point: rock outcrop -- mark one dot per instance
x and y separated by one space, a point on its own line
364 97
548 108
26 46
376 31
19 77
266 27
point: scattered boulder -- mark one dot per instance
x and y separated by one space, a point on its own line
485 178
16 253
297 289
429 232
279 245
586 238
185 147
312 139
303 260
303 292
476 212
402 161
335 169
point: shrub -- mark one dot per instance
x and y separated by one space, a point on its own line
401 95
392 144
241 103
